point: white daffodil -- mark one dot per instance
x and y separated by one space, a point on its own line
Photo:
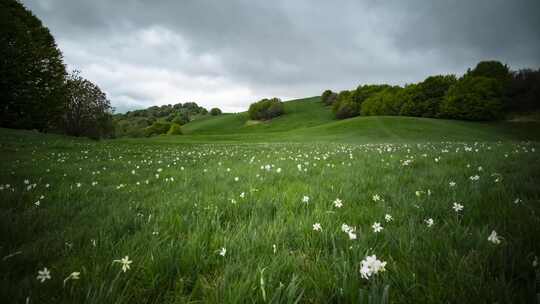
494 238
43 275
377 227
125 263
73 276
371 266
457 207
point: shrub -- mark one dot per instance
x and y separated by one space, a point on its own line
182 118
328 97
175 129
266 109
474 98
215 112
157 128
424 99
386 102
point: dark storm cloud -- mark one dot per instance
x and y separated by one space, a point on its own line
229 53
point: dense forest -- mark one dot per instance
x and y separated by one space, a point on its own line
158 119
489 91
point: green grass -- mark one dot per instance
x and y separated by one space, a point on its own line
173 229
172 202
300 113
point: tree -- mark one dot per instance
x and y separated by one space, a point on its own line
215 111
265 109
424 99
32 74
181 118
88 111
523 93
474 98
490 69
328 97
386 102
175 129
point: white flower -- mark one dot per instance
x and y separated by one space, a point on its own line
338 203
305 199
377 227
278 170
125 263
242 195
494 238
73 276
452 184
236 179
457 207
517 201
388 218
371 266
376 198
474 177
317 227
429 222
223 251
43 275
349 230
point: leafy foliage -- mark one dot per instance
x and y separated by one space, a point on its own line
32 73
328 97
175 129
215 112
483 93
157 128
474 98
266 109
133 123
88 111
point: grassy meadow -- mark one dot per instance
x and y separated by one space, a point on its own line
280 212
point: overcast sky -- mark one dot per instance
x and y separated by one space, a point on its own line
228 54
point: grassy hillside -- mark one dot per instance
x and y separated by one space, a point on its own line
271 223
300 113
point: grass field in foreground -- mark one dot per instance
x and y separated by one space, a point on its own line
267 223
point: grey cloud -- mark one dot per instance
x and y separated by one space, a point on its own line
229 53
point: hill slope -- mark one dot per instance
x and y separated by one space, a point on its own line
309 120
300 113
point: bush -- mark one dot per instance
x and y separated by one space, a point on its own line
328 97
424 99
474 98
175 129
215 112
157 128
266 109
182 118
386 102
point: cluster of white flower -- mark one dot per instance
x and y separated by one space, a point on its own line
370 266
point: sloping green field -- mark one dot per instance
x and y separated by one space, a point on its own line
308 120
284 211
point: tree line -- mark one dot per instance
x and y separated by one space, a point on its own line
489 91
36 90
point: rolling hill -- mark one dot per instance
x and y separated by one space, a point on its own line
309 120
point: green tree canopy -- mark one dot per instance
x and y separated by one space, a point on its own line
32 74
